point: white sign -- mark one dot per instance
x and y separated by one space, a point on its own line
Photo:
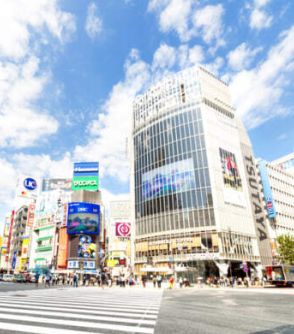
73 265
89 264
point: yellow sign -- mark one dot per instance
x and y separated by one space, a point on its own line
112 263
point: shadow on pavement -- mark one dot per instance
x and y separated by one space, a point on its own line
287 329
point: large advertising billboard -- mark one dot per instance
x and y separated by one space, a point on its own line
87 247
56 184
233 191
83 218
122 229
173 178
62 249
85 176
267 191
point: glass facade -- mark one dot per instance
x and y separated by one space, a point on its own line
172 184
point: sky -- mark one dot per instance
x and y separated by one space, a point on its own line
69 71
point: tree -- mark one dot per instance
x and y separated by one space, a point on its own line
286 248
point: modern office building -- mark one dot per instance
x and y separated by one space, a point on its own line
192 198
286 163
278 195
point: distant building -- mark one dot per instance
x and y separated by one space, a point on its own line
285 163
278 194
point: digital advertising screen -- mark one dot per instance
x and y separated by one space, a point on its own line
83 218
87 247
173 178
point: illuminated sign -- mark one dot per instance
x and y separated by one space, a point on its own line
86 176
122 229
30 184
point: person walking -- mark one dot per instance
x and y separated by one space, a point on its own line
181 282
47 280
37 277
171 282
159 280
154 280
75 280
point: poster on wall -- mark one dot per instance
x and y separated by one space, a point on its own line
87 248
122 229
83 218
174 178
233 190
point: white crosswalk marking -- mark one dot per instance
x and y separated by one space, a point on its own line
84 310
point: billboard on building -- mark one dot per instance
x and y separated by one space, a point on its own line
87 247
233 190
173 178
86 176
62 249
56 184
122 229
31 215
83 218
267 191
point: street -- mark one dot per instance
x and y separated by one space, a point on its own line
227 311
68 310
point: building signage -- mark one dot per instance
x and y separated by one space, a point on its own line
86 176
89 264
30 184
270 206
73 264
62 249
123 229
87 248
257 207
83 218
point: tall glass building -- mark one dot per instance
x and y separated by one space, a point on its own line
191 199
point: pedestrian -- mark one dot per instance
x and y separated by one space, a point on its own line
154 280
144 281
47 280
84 280
181 282
75 280
171 282
37 276
159 280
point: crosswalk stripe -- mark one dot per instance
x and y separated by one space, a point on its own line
76 323
85 308
39 330
98 303
80 316
22 305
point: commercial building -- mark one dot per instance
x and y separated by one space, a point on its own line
119 237
4 245
285 163
277 186
49 224
193 203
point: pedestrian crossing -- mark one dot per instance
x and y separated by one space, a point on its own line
84 310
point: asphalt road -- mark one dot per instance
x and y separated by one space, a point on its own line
9 286
226 311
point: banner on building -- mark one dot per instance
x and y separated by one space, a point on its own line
73 265
31 215
123 229
83 218
56 184
86 176
62 249
233 190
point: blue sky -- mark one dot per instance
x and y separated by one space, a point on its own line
69 71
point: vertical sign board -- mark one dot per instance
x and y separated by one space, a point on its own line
262 233
62 249
85 176
267 191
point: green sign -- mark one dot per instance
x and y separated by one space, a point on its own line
85 183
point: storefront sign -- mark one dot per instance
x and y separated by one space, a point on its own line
73 265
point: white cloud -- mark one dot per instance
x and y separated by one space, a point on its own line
259 18
188 19
164 57
209 21
257 92
242 56
93 24
24 28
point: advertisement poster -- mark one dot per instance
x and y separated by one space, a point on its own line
173 178
87 248
56 184
86 176
233 191
31 215
62 250
83 218
123 229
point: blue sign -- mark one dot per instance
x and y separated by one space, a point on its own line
30 184
82 169
13 262
267 191
83 218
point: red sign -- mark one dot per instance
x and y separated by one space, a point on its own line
31 215
123 229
